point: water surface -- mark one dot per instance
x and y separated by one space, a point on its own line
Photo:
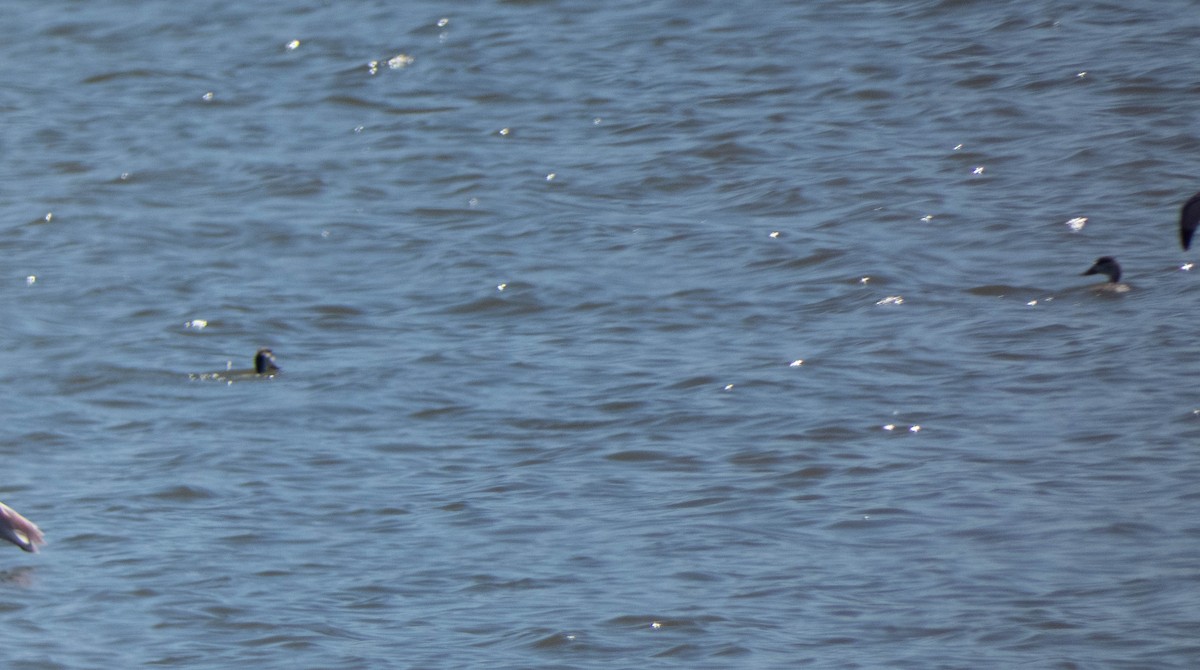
652 334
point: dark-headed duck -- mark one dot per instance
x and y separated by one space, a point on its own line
1108 266
264 362
264 367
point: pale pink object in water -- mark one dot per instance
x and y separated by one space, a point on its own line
19 530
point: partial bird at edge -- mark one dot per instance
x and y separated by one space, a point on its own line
1189 220
19 530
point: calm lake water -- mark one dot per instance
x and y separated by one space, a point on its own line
614 335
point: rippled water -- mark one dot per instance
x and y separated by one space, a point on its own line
655 334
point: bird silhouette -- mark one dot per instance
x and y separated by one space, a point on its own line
1189 219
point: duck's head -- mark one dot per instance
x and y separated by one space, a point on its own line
264 362
1106 265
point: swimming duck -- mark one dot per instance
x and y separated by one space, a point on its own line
264 366
19 530
1107 265
1189 219
264 362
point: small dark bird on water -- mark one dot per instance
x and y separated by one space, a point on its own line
1108 266
264 362
1189 219
265 367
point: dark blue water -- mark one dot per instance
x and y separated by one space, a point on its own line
649 334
